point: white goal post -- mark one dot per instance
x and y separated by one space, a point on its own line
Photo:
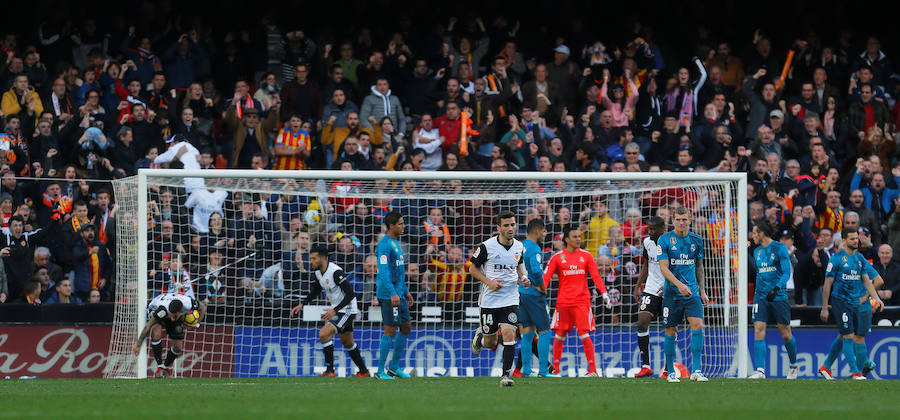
248 332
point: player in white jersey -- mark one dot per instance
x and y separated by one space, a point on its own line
498 264
167 311
651 281
339 317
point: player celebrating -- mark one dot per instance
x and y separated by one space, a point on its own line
681 263
167 310
846 270
533 303
498 264
390 286
773 269
651 281
573 300
339 318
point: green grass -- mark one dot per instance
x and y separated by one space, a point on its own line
439 398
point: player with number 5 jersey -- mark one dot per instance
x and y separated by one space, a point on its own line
393 297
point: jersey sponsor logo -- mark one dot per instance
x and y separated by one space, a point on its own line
767 269
383 259
573 272
852 276
683 259
504 267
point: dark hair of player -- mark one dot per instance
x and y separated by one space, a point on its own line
766 228
392 218
847 231
656 222
321 250
175 306
506 214
534 225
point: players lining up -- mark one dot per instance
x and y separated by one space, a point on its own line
514 296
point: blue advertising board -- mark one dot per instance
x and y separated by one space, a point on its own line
277 351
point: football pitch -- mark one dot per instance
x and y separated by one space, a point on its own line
439 398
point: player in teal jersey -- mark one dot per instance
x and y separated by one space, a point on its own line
864 318
681 263
533 314
846 271
770 300
391 290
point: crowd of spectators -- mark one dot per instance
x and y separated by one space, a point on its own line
818 142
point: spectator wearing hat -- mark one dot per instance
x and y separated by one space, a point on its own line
564 74
250 135
782 136
91 262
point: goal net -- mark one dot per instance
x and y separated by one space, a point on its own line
243 241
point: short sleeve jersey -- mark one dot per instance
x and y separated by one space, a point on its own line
847 271
655 280
391 279
683 253
331 281
534 266
499 263
159 306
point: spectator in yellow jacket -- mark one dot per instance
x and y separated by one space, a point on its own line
20 96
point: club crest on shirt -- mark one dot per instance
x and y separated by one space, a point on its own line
673 240
844 258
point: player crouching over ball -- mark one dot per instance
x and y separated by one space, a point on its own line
173 312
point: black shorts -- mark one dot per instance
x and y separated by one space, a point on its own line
174 329
343 322
491 318
651 304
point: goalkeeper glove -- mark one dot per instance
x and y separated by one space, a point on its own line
771 296
607 301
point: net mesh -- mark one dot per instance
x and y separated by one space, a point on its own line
243 243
